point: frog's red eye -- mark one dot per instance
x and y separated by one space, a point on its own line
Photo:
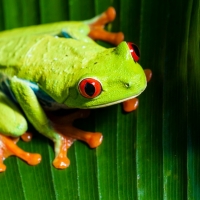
90 88
134 51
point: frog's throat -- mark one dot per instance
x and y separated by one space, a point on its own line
113 103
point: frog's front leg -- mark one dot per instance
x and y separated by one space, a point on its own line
37 117
97 25
64 124
12 125
61 132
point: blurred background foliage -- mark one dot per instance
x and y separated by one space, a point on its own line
150 154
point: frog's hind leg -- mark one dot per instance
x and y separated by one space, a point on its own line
12 125
97 25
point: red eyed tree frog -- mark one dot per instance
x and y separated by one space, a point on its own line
59 66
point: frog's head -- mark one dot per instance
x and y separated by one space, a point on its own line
113 76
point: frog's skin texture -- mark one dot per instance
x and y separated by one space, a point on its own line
46 66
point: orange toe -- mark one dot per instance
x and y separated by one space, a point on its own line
130 105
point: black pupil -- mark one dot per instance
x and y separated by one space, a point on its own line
89 89
135 48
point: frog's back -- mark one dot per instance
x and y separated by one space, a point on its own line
50 29
36 56
17 42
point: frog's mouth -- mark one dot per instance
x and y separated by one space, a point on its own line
115 102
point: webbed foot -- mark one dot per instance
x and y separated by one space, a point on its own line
97 28
8 147
68 134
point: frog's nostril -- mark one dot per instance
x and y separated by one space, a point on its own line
127 85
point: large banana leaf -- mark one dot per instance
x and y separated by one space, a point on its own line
150 154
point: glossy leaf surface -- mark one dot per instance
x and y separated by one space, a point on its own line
150 154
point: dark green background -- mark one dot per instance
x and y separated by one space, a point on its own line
150 154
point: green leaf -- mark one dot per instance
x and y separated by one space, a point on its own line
150 154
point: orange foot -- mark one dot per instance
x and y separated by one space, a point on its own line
132 104
68 134
97 31
8 148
